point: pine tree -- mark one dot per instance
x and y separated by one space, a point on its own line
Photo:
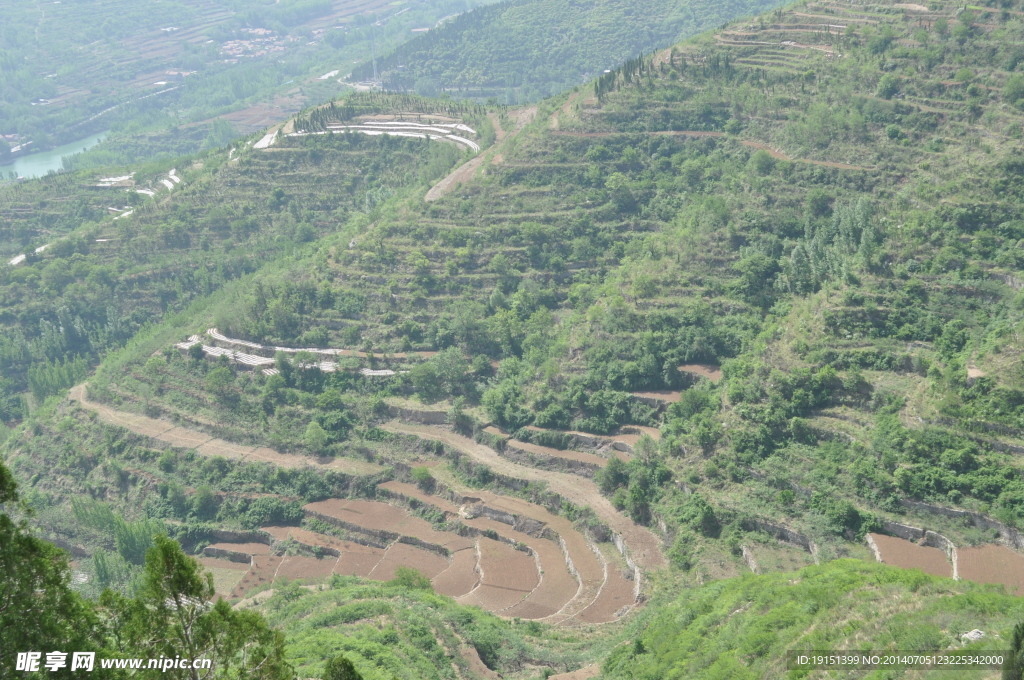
1013 668
340 668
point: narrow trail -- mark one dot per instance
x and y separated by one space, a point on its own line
642 545
522 118
564 110
467 170
206 445
461 174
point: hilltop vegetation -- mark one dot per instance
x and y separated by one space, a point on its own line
520 51
788 251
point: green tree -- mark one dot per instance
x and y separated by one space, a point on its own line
612 476
204 503
174 615
407 577
340 668
427 382
315 438
38 609
1013 91
220 380
762 162
1013 668
423 478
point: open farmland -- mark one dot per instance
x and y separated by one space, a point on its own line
507 576
992 564
900 552
559 578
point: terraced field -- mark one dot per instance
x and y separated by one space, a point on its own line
992 564
207 445
513 557
641 543
902 553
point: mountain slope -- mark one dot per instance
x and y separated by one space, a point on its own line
523 50
787 252
744 628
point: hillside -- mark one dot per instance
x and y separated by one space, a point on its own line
742 628
520 51
738 308
174 78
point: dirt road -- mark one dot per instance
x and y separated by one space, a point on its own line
461 174
205 445
467 170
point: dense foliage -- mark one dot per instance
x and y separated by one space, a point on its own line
519 51
745 628
172 616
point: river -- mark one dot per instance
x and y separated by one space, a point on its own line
38 164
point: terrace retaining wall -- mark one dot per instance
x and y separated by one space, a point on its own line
782 533
542 461
418 416
225 536
1008 536
230 555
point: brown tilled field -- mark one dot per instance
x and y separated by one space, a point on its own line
899 552
296 567
378 516
262 572
459 578
402 555
583 558
992 564
557 585
508 576
421 529
502 579
643 545
358 563
616 593
279 533
368 514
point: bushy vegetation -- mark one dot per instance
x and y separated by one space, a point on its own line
520 51
171 614
745 627
400 629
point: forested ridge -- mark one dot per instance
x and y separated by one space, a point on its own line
519 51
732 319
